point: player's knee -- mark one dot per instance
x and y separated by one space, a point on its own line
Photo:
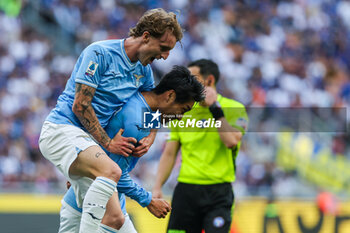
113 172
114 220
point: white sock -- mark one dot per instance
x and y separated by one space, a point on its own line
106 229
94 204
127 227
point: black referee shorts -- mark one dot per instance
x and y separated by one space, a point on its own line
197 207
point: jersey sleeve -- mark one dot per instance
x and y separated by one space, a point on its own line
92 66
149 83
237 117
134 191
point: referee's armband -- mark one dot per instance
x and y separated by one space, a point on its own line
216 110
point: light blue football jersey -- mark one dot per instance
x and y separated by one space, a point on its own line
105 66
130 118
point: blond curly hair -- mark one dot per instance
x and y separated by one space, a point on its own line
156 22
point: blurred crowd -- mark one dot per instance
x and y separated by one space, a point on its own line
271 53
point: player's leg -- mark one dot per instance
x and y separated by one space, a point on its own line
219 214
128 227
76 155
113 217
69 219
94 163
113 221
185 216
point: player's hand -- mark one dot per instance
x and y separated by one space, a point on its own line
157 192
159 207
210 96
122 145
144 145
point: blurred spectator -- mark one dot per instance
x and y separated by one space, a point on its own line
327 203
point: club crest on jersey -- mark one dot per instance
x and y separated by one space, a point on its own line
138 77
92 67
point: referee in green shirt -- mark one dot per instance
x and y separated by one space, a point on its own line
203 198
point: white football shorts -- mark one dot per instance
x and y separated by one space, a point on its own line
61 144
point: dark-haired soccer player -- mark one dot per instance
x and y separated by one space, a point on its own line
203 197
174 95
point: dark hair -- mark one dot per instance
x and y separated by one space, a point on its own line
185 85
156 22
207 67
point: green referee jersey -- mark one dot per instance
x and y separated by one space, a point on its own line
205 158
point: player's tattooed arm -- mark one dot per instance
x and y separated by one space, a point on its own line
82 108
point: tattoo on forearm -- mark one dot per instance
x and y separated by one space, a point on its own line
105 140
86 113
77 87
88 93
85 122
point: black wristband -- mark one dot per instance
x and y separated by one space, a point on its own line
216 111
